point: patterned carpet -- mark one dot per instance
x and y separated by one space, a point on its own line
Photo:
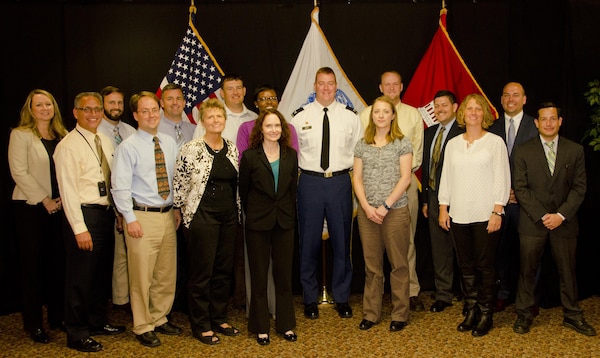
427 335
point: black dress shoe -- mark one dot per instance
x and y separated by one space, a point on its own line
581 326
85 345
439 306
396 326
107 330
38 335
343 310
168 329
365 324
416 304
263 341
290 337
149 339
522 325
311 310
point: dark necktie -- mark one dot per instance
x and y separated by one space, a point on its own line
435 158
104 166
325 142
510 138
162 178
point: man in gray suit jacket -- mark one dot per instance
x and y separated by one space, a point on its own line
549 182
523 129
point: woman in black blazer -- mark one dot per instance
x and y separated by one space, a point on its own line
268 182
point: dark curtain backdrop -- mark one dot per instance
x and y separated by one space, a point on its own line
66 47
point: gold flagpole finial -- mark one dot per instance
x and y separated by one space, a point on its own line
192 7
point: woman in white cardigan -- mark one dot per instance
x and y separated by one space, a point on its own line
38 211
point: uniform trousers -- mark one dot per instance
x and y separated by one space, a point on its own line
42 263
277 245
392 238
318 199
210 242
88 274
152 263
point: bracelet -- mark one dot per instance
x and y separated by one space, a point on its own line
498 213
386 206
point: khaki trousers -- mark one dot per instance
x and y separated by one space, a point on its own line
392 238
120 276
152 263
413 208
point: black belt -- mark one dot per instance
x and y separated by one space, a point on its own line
95 206
326 174
152 209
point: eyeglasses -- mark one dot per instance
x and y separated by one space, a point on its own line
146 111
88 110
264 99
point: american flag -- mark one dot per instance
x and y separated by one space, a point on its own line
195 69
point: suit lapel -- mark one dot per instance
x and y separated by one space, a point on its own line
262 157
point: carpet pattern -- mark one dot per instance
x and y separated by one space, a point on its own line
427 335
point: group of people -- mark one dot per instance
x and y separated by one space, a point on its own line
218 204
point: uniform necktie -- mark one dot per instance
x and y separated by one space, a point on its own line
325 142
510 138
104 166
551 156
162 179
435 157
178 134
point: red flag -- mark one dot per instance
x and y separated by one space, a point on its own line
442 68
195 69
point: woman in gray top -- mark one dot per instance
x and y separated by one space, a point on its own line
382 170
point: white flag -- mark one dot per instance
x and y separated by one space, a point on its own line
316 53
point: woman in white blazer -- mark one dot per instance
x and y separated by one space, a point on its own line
38 214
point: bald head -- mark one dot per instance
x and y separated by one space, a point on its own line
513 98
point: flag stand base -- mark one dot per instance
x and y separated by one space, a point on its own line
326 297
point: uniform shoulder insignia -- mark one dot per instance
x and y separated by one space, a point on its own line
351 109
297 111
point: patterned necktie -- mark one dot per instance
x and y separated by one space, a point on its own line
435 158
118 138
510 138
162 178
104 165
325 142
551 156
179 134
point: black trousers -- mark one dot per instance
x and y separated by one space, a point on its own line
277 244
476 253
210 243
42 263
88 274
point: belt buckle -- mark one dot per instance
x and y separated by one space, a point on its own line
328 175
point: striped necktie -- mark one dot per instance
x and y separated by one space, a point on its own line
162 178
435 158
104 166
551 156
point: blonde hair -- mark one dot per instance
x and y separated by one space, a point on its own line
488 118
394 132
28 121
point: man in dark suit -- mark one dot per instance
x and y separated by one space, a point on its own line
549 182
515 127
442 250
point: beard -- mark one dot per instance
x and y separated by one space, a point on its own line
111 117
